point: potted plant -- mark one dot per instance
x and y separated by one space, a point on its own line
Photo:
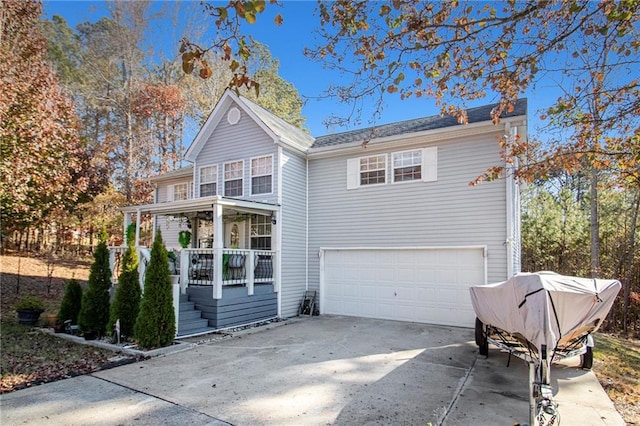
29 309
184 238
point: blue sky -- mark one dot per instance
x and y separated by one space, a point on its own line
286 43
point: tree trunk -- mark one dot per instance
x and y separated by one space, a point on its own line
628 263
594 225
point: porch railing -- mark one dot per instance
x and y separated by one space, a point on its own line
228 267
116 256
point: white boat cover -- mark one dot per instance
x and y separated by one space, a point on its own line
544 307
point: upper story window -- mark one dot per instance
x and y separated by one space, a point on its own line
180 191
233 179
262 175
208 181
414 165
407 166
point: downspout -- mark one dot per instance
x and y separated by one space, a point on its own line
306 227
509 242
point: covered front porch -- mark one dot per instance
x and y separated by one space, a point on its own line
228 275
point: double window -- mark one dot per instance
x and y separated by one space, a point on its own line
262 175
233 179
406 166
208 181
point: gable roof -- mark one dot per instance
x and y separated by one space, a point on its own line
181 172
286 132
278 129
474 115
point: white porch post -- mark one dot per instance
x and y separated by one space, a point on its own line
276 237
250 274
127 222
138 220
218 245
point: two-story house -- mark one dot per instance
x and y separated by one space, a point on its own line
386 229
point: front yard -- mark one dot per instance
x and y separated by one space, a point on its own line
30 357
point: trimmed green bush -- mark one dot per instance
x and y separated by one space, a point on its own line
126 302
94 313
71 302
155 326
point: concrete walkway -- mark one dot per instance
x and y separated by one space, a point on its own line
316 371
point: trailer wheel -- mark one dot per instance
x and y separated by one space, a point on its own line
481 338
587 359
478 331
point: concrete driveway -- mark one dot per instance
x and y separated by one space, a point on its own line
316 371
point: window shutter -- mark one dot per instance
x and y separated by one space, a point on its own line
170 191
353 173
190 190
430 164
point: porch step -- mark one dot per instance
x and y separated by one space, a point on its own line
192 326
190 319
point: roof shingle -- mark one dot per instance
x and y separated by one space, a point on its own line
474 115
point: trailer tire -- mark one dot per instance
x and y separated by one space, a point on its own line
481 338
478 331
587 359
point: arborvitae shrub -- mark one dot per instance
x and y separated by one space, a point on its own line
155 326
71 302
94 313
126 302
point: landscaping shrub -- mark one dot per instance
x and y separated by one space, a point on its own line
94 312
126 302
155 326
71 302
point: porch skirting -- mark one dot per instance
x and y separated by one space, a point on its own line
235 307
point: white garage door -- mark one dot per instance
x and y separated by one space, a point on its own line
429 285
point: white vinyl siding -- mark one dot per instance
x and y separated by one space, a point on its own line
262 175
242 141
233 179
208 181
293 228
447 211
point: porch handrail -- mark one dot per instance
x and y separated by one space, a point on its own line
219 267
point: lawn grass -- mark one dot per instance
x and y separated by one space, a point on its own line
617 366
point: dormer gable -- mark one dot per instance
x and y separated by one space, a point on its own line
231 107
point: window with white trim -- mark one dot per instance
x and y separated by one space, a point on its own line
373 170
262 175
414 165
180 191
260 232
407 166
233 179
208 181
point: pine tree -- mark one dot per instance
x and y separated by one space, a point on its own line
155 326
126 303
71 302
94 313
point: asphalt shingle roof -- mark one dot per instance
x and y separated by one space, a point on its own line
474 115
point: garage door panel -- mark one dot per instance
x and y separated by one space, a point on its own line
422 285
